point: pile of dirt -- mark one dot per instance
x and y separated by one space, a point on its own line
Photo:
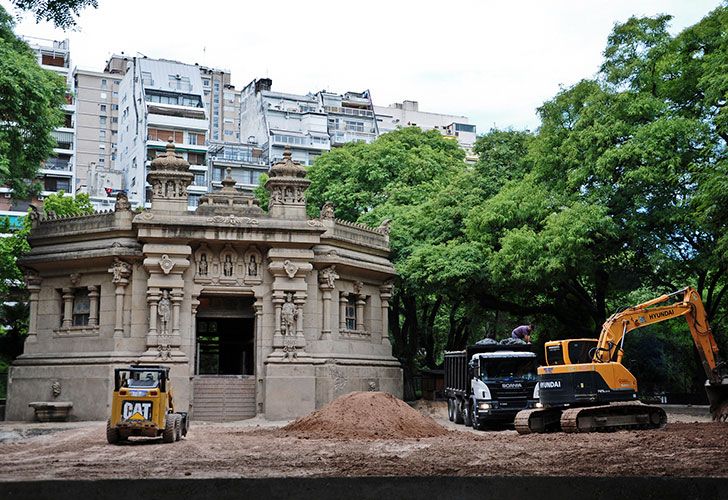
365 415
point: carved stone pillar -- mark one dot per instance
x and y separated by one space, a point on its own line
194 304
385 293
33 282
327 281
177 296
360 303
93 298
121 271
299 299
153 296
259 366
343 301
67 307
278 300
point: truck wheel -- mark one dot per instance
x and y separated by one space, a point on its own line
477 425
169 433
112 433
467 415
177 427
450 412
457 411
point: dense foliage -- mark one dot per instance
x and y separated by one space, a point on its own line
618 197
62 13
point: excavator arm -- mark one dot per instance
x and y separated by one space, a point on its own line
614 330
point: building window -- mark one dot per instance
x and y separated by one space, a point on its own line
351 313
102 120
114 107
102 108
102 134
57 184
81 307
199 179
103 83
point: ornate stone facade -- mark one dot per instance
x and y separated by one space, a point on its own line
297 305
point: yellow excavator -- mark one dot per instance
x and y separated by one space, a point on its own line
584 387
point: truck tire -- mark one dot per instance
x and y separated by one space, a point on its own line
169 433
450 410
112 433
177 426
477 424
467 414
457 411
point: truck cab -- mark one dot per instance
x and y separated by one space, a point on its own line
490 383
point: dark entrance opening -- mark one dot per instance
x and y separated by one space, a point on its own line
225 336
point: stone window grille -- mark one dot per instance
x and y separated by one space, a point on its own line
80 308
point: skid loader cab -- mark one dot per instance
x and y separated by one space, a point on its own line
142 405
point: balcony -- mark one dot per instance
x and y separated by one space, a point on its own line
180 86
57 164
346 137
349 111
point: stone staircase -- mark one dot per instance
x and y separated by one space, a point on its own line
223 398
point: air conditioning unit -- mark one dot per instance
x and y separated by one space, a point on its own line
8 195
40 197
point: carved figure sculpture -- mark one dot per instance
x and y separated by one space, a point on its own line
227 266
289 314
203 265
252 266
164 310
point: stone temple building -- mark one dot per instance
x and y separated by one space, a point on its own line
272 314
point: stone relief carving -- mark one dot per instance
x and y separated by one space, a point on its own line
339 378
289 315
358 287
166 263
56 388
75 279
315 223
232 220
164 310
327 211
202 267
384 226
328 277
290 268
121 270
252 266
122 202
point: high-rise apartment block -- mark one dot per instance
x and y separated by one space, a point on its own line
57 173
117 120
408 114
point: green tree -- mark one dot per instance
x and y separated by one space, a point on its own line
60 204
62 13
29 110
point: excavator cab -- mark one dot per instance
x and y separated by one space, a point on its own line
569 351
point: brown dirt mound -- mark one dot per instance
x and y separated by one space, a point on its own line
365 415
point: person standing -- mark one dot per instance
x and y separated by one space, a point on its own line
522 332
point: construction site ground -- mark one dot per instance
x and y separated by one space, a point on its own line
690 446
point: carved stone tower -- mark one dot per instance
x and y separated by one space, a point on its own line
169 175
287 186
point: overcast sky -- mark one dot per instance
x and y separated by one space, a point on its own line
493 61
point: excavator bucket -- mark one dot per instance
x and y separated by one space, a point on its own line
718 399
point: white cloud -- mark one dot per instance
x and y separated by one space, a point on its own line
495 62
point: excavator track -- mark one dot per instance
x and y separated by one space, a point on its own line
611 417
537 421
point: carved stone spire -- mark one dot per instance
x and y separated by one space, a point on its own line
229 201
169 175
287 185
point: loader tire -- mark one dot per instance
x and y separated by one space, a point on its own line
169 434
177 427
112 433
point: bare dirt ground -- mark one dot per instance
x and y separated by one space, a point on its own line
688 446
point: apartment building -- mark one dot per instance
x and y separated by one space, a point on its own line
57 173
408 114
350 117
276 120
161 100
246 163
223 104
97 135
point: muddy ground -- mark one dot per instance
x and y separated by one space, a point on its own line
689 446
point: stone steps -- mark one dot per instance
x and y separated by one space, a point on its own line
223 399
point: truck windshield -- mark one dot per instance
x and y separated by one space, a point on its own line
500 369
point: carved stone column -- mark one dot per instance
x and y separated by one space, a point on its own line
360 303
195 365
33 282
278 300
259 366
299 299
343 301
67 307
93 298
385 293
327 281
177 296
121 272
153 296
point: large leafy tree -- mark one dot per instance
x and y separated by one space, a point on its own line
29 110
62 13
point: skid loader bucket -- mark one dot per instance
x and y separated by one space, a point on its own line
718 398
